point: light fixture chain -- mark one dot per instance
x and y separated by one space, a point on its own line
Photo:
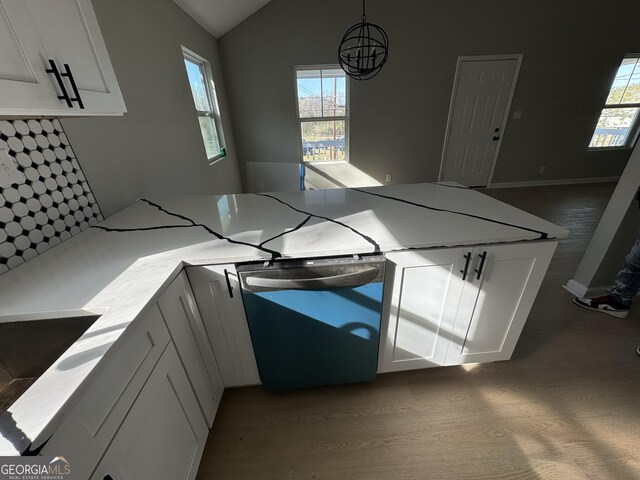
364 12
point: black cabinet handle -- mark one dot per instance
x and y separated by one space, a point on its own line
467 259
483 257
495 139
67 73
54 69
229 287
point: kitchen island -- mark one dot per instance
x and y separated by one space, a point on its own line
120 268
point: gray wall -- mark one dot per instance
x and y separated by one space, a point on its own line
571 51
156 149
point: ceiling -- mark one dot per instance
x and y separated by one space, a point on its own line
220 16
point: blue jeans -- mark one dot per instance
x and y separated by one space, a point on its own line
627 281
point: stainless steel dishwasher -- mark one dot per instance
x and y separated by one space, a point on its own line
314 322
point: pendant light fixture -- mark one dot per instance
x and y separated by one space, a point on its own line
364 49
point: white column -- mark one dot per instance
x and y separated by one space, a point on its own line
611 219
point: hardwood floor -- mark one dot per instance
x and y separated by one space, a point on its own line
566 406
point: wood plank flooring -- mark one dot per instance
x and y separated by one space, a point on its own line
567 406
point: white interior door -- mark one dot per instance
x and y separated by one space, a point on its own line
480 102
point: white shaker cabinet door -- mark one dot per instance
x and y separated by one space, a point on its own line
422 292
87 430
223 314
164 433
496 300
182 317
24 83
67 32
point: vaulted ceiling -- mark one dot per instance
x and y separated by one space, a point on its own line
220 16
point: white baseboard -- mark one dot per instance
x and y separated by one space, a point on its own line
576 288
564 181
580 290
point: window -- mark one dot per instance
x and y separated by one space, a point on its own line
322 113
206 102
618 123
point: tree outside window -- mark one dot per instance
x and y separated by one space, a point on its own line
618 123
322 99
206 104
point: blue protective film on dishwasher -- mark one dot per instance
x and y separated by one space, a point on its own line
315 337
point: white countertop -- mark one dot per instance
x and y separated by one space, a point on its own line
118 273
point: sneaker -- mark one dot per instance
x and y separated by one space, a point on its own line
603 304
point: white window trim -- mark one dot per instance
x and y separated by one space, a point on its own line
213 100
299 121
634 131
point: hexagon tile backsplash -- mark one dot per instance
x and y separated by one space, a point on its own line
53 203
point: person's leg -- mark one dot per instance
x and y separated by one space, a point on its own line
627 282
619 297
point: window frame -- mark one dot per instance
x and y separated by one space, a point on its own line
634 129
210 90
300 121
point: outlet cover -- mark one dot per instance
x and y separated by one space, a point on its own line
387 177
517 115
9 174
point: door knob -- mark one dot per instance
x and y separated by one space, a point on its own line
497 129
495 139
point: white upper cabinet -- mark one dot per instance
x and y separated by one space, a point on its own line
24 84
53 60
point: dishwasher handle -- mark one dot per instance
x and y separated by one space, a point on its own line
359 277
